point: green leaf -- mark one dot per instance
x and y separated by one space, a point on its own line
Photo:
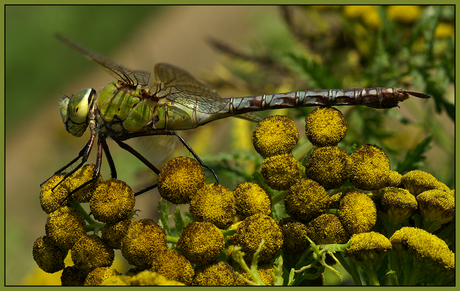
163 210
179 222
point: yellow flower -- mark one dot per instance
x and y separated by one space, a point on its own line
357 212
201 242
214 274
142 242
368 13
180 179
326 229
306 200
275 135
112 201
295 232
423 257
444 30
173 266
325 126
215 204
252 230
370 167
329 166
91 252
403 13
250 199
280 172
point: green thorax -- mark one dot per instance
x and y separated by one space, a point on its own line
125 109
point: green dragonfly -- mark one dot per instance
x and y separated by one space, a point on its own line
129 107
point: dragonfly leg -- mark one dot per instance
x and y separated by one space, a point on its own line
137 155
170 132
145 190
84 154
182 140
113 170
80 154
97 168
142 159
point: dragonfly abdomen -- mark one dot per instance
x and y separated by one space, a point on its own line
377 97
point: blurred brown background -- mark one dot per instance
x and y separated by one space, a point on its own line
40 70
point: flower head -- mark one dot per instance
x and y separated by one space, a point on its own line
65 226
48 256
325 126
250 199
337 194
294 232
404 13
357 212
81 176
437 207
73 276
329 166
394 179
280 172
326 229
99 275
368 250
90 252
112 201
214 274
394 206
423 257
180 179
275 135
306 200
417 181
370 167
252 230
201 242
142 242
213 203
51 200
113 233
173 266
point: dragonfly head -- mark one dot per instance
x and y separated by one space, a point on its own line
74 111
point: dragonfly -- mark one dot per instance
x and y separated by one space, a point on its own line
129 108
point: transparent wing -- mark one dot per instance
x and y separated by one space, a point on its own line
131 77
183 88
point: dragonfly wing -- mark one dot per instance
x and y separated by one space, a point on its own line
131 77
181 87
251 116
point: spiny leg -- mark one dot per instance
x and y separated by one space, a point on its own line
80 154
145 190
113 170
143 160
170 132
137 155
96 172
84 154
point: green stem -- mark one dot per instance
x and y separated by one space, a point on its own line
92 225
373 279
172 239
351 269
278 197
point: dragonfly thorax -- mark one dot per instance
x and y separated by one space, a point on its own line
75 110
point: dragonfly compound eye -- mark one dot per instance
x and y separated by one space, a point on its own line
79 105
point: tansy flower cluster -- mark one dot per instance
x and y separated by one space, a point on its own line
285 228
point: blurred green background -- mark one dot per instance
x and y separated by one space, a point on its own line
263 50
